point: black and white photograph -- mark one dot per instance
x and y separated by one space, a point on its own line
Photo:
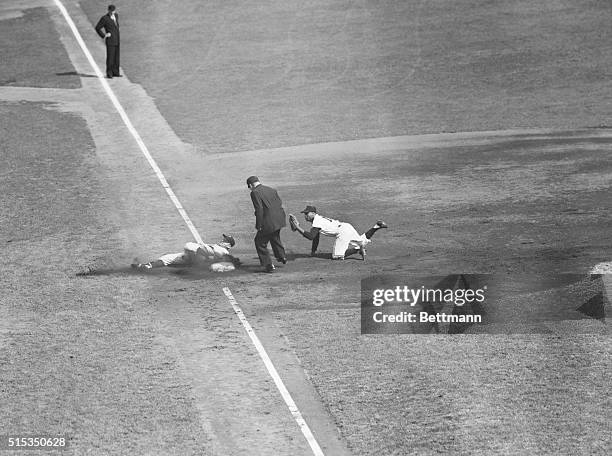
306 228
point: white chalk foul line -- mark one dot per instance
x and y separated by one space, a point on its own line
297 415
128 123
316 449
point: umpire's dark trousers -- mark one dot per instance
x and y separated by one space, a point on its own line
261 245
112 60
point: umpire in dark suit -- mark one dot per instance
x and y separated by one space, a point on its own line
269 219
110 24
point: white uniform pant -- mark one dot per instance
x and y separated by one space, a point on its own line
194 253
348 237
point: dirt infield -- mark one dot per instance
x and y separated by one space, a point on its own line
125 362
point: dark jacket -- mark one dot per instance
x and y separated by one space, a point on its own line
269 213
109 26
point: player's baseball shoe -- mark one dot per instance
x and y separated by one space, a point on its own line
382 224
282 260
270 268
141 266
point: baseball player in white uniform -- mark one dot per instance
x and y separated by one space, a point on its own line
348 240
217 256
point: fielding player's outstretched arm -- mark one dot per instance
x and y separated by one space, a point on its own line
315 242
312 235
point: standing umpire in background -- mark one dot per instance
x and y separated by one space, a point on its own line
269 219
110 23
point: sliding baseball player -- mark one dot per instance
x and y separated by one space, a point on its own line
217 256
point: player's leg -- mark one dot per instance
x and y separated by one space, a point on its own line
150 265
377 226
169 259
340 246
358 246
350 251
347 242
365 237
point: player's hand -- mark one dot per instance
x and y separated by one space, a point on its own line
107 35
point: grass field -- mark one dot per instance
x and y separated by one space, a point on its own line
34 45
318 99
244 76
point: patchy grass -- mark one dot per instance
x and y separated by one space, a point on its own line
80 357
32 54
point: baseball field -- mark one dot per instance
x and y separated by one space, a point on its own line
478 130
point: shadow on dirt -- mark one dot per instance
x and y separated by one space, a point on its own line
74 73
198 272
185 272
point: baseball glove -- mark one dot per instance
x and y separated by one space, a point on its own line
293 222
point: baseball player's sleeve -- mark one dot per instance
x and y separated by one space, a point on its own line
315 242
313 235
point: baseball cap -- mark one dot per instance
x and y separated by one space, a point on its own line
309 209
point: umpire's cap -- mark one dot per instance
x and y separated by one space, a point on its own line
252 180
229 239
309 209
